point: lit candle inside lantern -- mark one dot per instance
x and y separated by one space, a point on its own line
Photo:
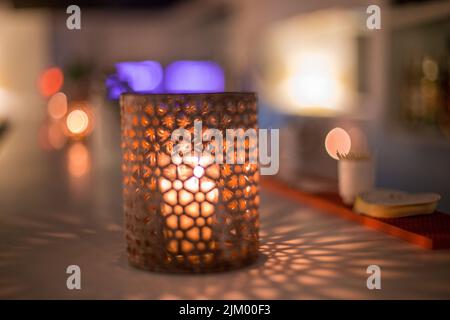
189 204
189 214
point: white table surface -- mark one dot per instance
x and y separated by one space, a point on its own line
50 220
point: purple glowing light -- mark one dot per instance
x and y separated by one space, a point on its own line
115 87
142 76
194 76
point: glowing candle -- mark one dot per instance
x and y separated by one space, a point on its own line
193 214
191 197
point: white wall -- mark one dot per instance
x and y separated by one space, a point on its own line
23 55
24 50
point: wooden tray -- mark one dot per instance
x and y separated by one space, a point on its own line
430 231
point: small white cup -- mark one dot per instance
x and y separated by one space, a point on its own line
355 176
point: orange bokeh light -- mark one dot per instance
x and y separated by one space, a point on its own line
51 81
337 140
57 106
77 122
56 136
79 162
51 136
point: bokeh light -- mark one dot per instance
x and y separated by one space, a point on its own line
51 136
115 87
77 122
57 106
314 84
79 162
51 81
194 76
141 76
430 69
311 73
337 140
56 136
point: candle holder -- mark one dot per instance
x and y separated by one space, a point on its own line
195 215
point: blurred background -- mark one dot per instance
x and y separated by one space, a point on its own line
314 64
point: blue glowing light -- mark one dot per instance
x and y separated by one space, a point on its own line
115 87
179 76
194 76
142 76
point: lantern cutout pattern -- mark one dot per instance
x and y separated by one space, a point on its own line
193 215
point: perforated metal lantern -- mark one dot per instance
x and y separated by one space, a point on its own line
194 216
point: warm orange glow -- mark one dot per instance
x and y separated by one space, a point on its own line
77 121
57 106
51 81
189 202
316 71
79 162
56 136
51 136
337 140
314 83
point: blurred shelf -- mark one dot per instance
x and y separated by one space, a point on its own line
430 231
